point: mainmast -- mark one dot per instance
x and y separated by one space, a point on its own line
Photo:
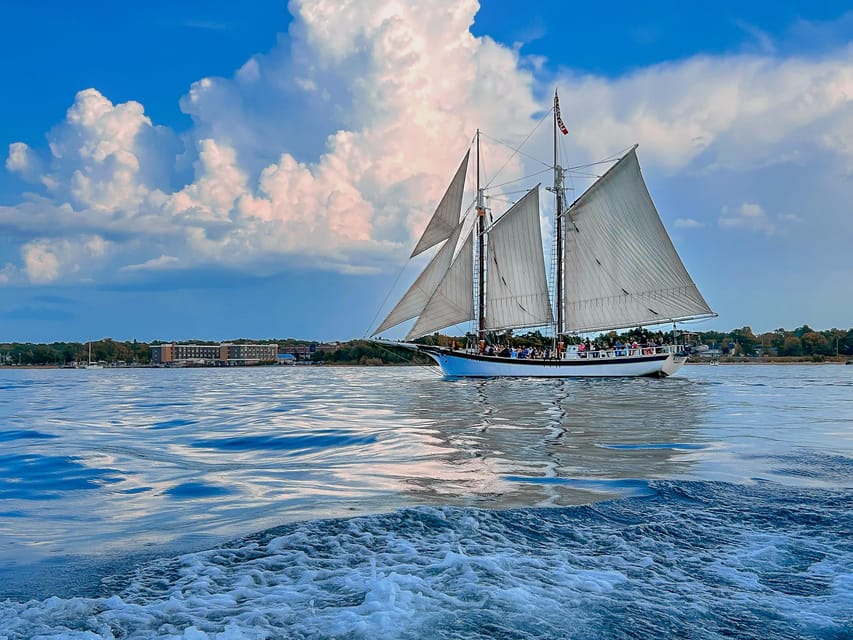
558 218
481 232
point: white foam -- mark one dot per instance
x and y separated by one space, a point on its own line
461 573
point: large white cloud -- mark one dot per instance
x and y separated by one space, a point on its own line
45 260
107 158
728 112
334 146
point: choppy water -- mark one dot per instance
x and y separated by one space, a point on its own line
391 503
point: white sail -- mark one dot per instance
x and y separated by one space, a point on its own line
452 302
416 298
517 288
621 269
446 216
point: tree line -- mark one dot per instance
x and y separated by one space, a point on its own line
139 353
800 342
64 353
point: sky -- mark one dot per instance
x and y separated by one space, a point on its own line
204 170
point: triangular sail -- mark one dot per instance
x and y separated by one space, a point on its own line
621 267
446 216
416 298
453 300
517 288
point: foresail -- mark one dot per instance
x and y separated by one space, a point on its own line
453 300
416 298
621 269
517 288
446 216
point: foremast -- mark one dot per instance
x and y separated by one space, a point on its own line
514 293
481 260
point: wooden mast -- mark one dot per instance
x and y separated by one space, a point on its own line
558 238
481 231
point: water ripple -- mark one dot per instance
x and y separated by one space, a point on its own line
171 460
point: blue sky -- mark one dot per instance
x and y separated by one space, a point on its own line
203 170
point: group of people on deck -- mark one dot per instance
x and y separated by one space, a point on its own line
534 353
632 346
618 347
643 344
592 349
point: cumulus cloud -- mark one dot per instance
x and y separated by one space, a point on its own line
219 182
23 161
731 112
44 261
688 223
749 216
333 147
155 264
108 157
40 263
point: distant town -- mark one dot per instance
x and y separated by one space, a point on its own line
192 353
802 344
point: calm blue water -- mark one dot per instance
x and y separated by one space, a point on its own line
391 503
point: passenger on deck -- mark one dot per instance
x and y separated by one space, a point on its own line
582 350
504 353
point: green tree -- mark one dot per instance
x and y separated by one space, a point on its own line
801 331
792 346
746 339
814 343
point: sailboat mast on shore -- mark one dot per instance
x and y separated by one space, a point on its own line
615 268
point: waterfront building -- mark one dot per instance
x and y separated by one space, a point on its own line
225 354
300 351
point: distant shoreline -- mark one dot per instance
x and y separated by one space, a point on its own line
727 360
722 362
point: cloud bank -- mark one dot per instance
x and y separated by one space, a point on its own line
331 149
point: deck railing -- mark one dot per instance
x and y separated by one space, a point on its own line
572 353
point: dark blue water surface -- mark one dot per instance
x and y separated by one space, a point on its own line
391 503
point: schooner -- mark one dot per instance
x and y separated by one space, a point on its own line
616 268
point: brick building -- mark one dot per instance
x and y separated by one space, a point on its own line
213 354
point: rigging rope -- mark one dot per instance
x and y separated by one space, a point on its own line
517 150
385 301
431 364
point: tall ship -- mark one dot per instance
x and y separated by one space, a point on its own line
615 268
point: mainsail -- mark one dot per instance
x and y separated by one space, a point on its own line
621 269
446 216
517 291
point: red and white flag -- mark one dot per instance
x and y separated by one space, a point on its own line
557 113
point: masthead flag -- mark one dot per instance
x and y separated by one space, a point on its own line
557 113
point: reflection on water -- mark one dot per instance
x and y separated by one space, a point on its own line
553 442
118 461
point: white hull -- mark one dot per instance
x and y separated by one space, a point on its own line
458 364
